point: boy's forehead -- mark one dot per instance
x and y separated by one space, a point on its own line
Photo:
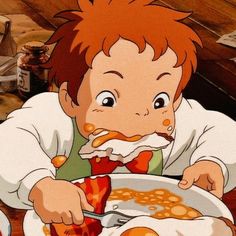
125 54
126 68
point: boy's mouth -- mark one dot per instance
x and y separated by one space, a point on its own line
166 136
109 135
118 147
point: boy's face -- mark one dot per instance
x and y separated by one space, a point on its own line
128 92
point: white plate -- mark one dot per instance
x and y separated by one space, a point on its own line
32 224
194 197
5 227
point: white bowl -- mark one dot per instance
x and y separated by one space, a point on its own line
195 197
32 224
5 227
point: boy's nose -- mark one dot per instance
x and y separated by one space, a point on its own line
144 113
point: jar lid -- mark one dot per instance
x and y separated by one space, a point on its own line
35 46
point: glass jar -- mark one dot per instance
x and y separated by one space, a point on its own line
32 78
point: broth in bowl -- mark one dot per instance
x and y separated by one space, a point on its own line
162 203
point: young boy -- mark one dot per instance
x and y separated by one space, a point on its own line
120 65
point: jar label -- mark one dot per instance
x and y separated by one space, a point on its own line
23 80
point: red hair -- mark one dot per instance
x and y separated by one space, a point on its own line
99 25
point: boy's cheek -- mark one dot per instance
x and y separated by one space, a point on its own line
89 122
165 121
84 128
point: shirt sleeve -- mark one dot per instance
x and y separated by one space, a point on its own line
217 143
29 138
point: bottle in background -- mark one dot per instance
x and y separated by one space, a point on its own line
32 78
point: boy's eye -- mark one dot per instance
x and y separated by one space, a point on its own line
161 100
106 99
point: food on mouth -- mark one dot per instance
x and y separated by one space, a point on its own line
161 202
118 147
97 191
139 231
139 165
113 135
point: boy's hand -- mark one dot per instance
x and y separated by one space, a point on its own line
204 174
58 201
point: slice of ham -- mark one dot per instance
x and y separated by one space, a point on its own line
97 191
120 148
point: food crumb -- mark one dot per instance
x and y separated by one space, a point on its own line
46 231
152 208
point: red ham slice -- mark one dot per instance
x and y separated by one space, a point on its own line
97 191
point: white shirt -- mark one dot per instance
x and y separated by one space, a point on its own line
40 130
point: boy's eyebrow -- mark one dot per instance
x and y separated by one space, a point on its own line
163 74
115 72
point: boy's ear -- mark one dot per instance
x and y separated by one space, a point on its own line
66 102
177 102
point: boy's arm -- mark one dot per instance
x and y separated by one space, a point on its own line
216 144
28 140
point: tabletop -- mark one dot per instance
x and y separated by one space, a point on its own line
16 216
